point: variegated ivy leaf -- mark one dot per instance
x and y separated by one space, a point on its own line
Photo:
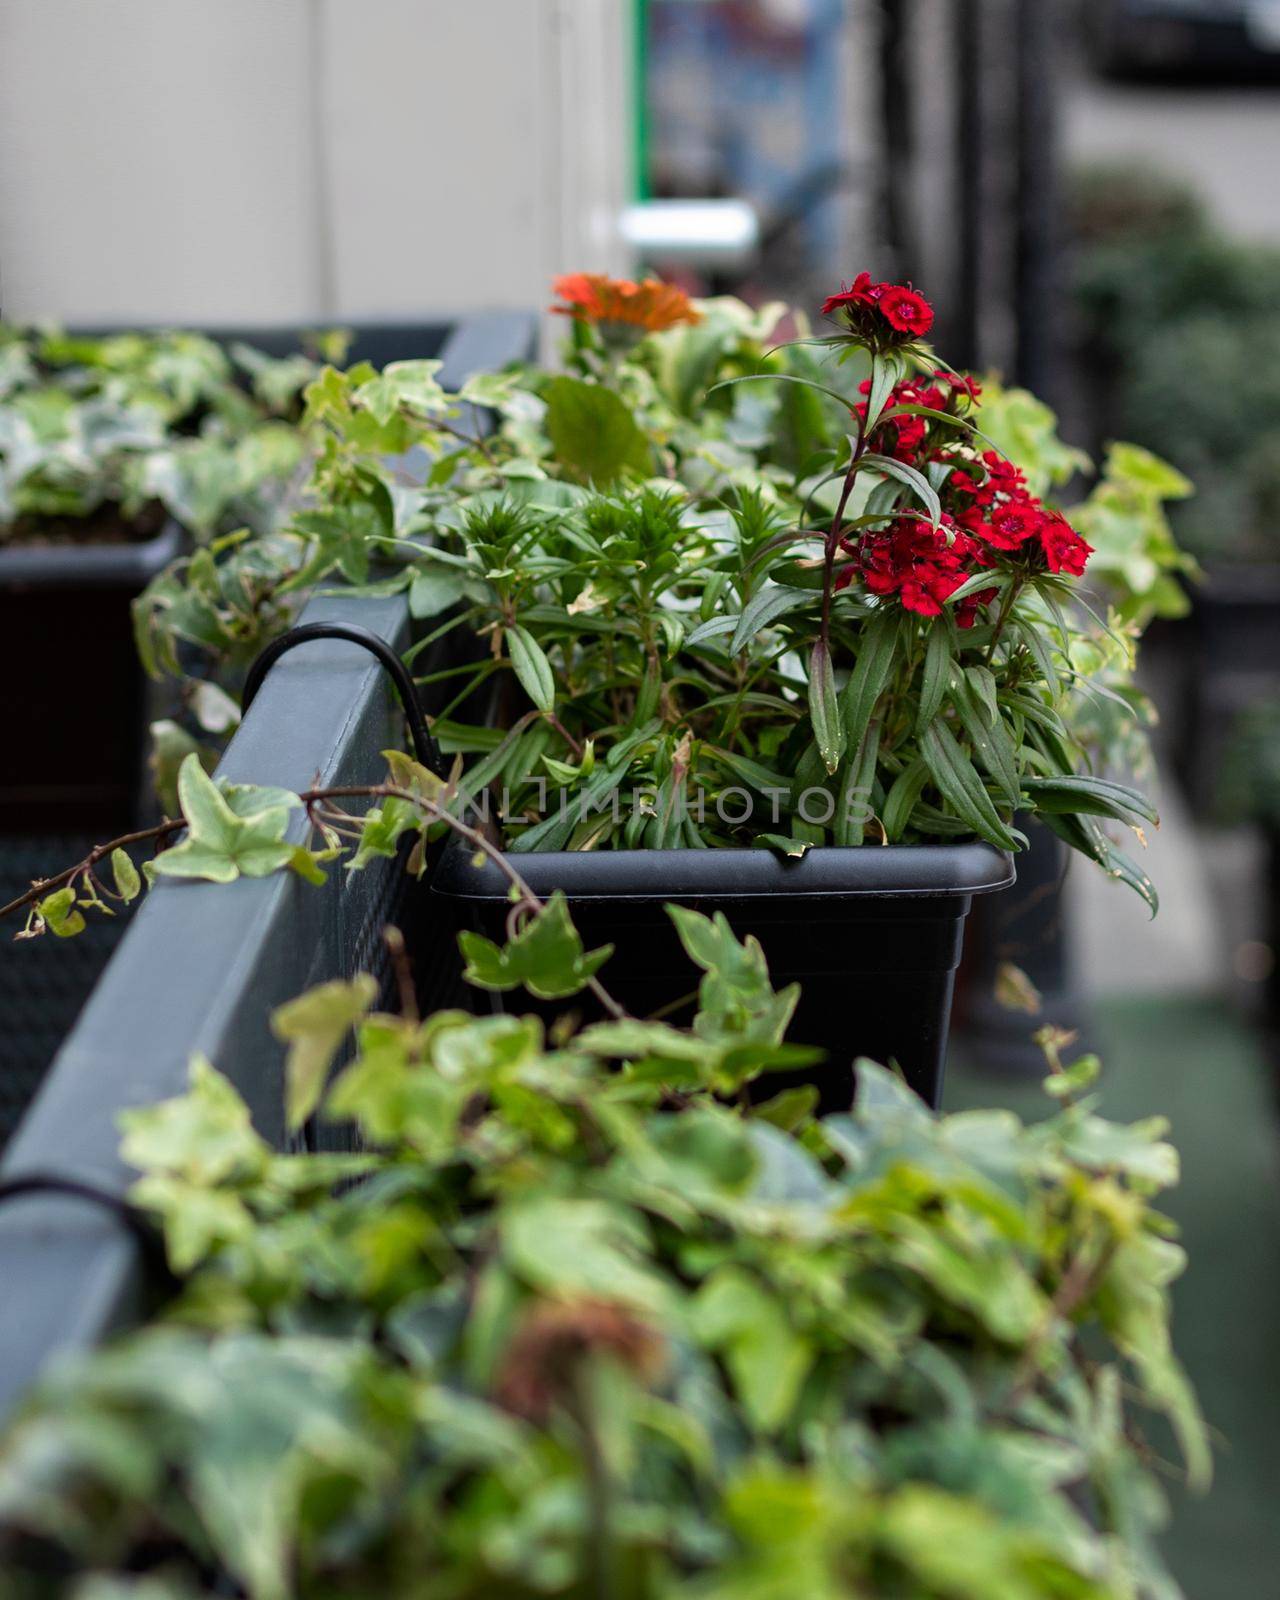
234 832
546 957
315 1025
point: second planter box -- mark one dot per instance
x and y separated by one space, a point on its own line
872 934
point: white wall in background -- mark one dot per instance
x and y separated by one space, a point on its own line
211 161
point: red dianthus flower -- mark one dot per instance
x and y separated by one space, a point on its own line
906 310
1064 549
881 313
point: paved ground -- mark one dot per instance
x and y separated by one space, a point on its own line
1224 140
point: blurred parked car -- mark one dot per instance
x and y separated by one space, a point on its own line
1187 37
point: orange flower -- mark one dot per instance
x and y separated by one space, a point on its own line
649 306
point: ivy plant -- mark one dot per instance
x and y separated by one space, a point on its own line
99 437
586 1315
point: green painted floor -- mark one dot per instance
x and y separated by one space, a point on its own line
1194 1062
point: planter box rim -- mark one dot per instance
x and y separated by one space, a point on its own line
106 566
745 873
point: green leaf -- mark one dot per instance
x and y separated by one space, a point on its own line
546 957
239 832
58 913
763 609
855 792
435 590
593 434
877 648
938 658
128 883
314 1026
885 372
824 707
960 784
1096 796
784 844
909 476
404 383
582 1247
736 1316
531 666
784 377
990 741
901 800
1083 834
204 1136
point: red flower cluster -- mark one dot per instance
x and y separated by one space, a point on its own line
922 565
881 313
1001 513
990 520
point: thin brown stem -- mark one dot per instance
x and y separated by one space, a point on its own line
475 441
310 799
564 734
403 970
45 886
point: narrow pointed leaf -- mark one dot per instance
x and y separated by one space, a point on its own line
824 707
877 648
960 784
531 667
937 673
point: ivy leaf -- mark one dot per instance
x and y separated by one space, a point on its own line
128 883
237 833
582 1247
404 383
205 1136
546 957
314 1026
736 1316
382 829
592 433
435 590
58 913
824 706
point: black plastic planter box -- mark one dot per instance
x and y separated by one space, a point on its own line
71 772
73 721
873 934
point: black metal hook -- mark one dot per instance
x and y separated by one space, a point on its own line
424 746
147 1236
